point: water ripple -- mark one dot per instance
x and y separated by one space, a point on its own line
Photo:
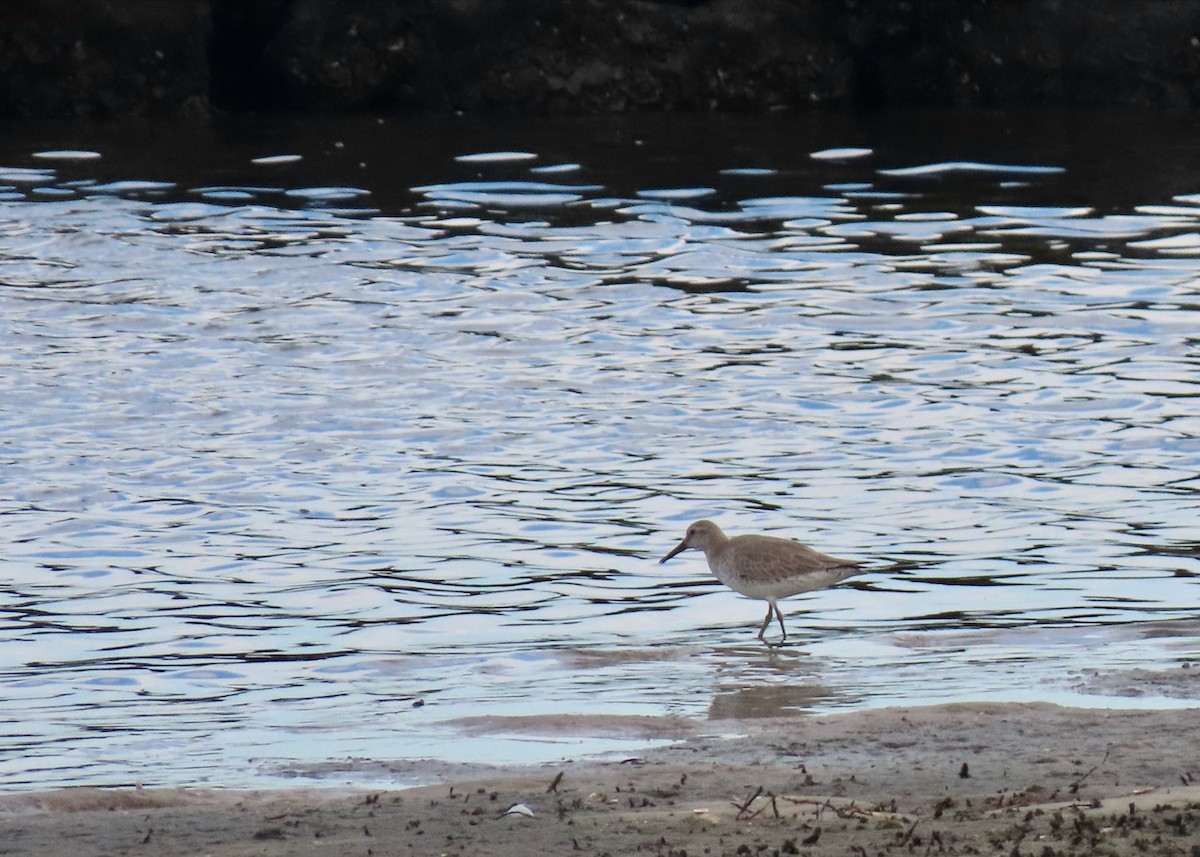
269 462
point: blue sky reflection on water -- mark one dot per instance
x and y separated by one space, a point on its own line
302 469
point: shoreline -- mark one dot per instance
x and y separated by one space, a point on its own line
962 778
539 57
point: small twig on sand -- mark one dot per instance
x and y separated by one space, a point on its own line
1079 782
742 808
822 805
762 809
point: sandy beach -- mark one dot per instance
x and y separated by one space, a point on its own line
1033 779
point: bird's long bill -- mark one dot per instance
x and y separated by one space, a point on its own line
681 546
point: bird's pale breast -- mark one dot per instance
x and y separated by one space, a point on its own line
767 567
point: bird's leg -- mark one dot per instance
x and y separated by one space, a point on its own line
765 623
778 616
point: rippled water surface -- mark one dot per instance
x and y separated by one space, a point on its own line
317 437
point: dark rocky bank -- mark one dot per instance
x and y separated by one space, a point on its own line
147 57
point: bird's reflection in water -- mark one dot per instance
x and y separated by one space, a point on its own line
771 700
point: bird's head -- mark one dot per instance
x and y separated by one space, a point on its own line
700 536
